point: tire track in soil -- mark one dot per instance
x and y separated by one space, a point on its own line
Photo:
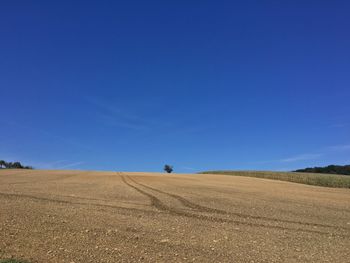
66 202
157 203
61 177
201 208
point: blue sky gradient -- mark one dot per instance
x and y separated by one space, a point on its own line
201 85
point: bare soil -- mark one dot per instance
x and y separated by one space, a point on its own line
83 216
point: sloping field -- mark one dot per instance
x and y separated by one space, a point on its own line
328 180
73 216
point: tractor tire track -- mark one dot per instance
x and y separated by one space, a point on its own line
61 177
67 202
201 208
157 203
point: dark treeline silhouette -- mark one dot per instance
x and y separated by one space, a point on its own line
13 165
330 169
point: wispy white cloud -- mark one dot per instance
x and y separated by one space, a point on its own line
59 164
114 116
339 125
189 168
51 135
294 158
56 162
343 147
51 165
326 151
70 165
111 120
301 157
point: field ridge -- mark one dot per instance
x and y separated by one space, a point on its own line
316 179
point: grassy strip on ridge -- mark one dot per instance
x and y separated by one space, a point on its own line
327 180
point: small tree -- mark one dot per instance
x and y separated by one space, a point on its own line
2 163
168 168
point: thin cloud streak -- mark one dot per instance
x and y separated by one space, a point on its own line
51 165
295 158
114 116
189 168
340 147
57 162
56 165
110 120
339 125
301 157
70 165
310 156
51 135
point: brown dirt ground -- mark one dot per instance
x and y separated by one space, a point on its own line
77 216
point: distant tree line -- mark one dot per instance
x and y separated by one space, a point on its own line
13 165
330 169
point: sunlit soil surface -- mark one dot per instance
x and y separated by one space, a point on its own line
79 216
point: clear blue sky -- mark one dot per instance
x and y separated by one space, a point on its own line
133 85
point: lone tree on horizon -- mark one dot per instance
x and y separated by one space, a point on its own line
168 168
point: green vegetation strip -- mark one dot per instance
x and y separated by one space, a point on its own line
327 180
